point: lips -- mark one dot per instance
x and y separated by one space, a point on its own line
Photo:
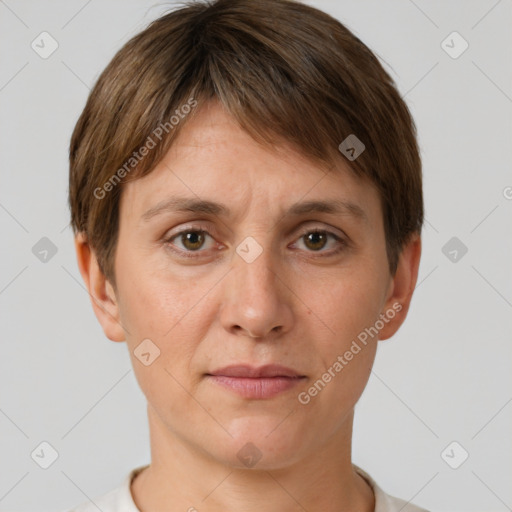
256 383
246 371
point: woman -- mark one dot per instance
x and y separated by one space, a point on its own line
247 223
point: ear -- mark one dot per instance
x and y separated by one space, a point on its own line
401 288
101 292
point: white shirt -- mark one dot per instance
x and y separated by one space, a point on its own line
120 499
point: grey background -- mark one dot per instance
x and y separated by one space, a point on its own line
446 376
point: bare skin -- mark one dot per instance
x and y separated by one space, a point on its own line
299 303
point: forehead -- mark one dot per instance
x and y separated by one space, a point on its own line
214 159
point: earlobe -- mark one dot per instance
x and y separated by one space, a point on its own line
402 287
103 298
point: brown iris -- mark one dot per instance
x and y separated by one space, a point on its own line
192 240
314 237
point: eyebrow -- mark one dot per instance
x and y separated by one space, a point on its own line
186 204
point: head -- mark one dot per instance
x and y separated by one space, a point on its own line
189 167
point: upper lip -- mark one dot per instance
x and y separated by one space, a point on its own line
247 371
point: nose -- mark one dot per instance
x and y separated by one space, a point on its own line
257 299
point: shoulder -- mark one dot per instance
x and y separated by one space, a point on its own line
117 500
385 502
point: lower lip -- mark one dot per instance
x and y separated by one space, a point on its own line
256 388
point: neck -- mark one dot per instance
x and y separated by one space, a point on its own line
182 478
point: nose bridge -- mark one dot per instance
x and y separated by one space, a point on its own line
257 299
255 264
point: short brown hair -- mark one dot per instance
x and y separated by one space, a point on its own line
286 71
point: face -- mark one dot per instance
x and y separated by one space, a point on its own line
248 304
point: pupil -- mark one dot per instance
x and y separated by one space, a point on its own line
189 239
319 235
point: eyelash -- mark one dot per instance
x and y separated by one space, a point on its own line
195 254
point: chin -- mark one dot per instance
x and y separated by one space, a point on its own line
262 443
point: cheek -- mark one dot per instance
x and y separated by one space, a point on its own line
156 308
153 299
346 353
349 306
343 361
166 307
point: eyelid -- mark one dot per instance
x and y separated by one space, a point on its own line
308 227
210 230
305 227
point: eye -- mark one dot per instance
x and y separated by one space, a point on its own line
191 240
316 239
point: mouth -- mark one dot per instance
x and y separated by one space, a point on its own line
256 383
